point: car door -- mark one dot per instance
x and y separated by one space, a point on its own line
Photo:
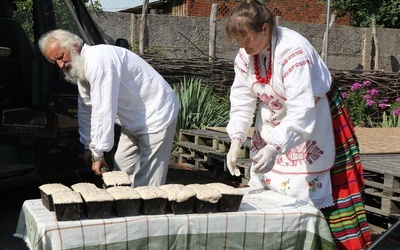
39 137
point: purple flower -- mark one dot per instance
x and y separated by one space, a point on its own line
397 112
366 82
398 99
356 86
345 95
370 102
382 105
374 92
367 96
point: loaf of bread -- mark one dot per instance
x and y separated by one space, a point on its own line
46 191
231 197
67 205
78 187
98 203
206 198
181 199
116 178
154 200
127 201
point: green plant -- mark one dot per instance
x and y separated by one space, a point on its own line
388 121
367 107
200 107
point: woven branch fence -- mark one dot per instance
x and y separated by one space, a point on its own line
219 75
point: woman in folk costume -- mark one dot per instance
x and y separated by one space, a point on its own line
303 144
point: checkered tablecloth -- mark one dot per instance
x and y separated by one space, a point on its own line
265 220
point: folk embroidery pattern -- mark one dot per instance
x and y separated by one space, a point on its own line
257 141
314 184
307 152
285 186
244 63
274 105
296 65
295 53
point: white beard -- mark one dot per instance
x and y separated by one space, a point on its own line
76 69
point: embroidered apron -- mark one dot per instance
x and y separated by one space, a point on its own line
302 172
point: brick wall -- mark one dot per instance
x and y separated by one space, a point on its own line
305 11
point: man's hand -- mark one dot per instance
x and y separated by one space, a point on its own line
232 157
99 167
264 159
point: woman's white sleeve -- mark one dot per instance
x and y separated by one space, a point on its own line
300 117
243 101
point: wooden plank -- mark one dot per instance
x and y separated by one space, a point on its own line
204 133
382 163
195 147
381 195
380 186
209 139
377 211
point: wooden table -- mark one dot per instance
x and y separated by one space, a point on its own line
265 220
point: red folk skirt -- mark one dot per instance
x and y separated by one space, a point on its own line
346 218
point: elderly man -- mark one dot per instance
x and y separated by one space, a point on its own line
117 86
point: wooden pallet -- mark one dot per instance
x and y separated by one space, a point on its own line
207 140
382 182
206 149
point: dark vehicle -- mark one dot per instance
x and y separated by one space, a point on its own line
39 137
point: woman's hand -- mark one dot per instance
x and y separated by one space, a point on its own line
232 157
264 160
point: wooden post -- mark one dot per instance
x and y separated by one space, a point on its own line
143 24
367 49
325 40
213 32
376 44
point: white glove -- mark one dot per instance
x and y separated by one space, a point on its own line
232 157
264 159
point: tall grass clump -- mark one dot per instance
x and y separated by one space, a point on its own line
388 121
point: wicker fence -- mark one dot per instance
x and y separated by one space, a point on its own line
220 75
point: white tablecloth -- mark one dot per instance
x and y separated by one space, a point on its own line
265 220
